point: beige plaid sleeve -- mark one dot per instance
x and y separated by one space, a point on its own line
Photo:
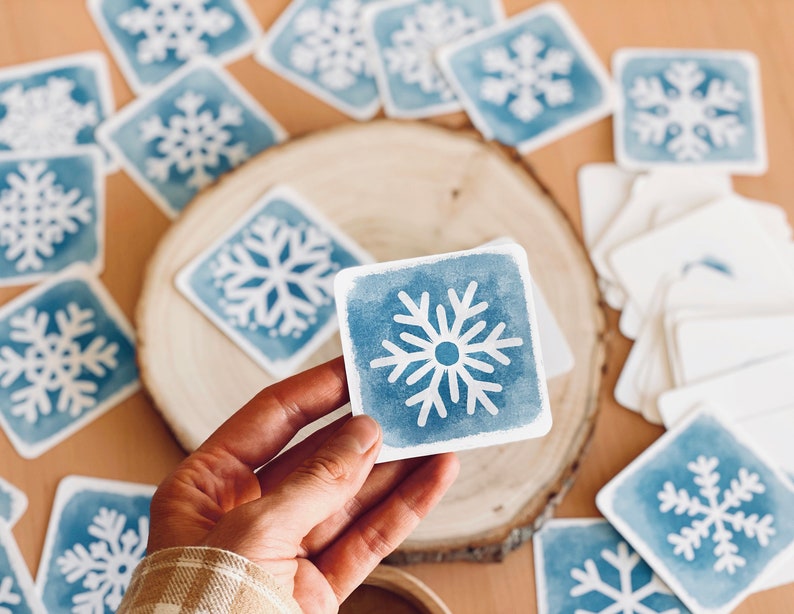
198 580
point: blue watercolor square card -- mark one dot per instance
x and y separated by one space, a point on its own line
268 281
689 107
182 135
319 46
150 39
67 356
528 80
96 537
584 565
52 213
443 351
708 512
17 592
404 36
13 502
52 105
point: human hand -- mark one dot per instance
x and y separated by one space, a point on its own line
320 517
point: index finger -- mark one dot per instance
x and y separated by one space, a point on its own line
264 425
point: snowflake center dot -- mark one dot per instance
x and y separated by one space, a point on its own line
447 353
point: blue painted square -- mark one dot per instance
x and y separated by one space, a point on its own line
13 502
405 34
17 593
66 356
152 39
528 80
705 511
319 45
97 536
180 137
443 351
268 281
51 213
53 105
584 565
680 107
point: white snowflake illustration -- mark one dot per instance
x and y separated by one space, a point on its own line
36 215
422 33
277 276
7 595
626 598
697 121
54 362
193 141
180 26
716 515
44 117
527 76
447 350
331 43
106 566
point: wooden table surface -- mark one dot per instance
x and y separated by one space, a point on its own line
132 442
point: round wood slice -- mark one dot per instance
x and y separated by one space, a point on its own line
399 189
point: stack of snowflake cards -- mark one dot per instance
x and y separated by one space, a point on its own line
443 351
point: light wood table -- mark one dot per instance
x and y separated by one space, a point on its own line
131 442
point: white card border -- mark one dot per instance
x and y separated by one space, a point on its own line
19 501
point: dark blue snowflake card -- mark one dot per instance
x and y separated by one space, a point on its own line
268 281
708 512
528 80
96 537
319 45
67 356
584 565
689 107
404 36
17 592
183 134
443 351
13 502
52 213
150 39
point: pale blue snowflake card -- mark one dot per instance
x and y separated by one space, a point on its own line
52 212
150 39
13 502
443 351
404 36
267 282
689 107
17 592
66 357
709 513
528 80
52 105
319 45
181 136
584 565
96 537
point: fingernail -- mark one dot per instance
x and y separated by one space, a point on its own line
359 434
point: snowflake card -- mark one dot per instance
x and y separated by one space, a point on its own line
52 213
17 592
528 80
268 281
150 39
52 105
709 513
443 351
67 356
319 45
683 107
13 503
404 36
584 565
96 537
